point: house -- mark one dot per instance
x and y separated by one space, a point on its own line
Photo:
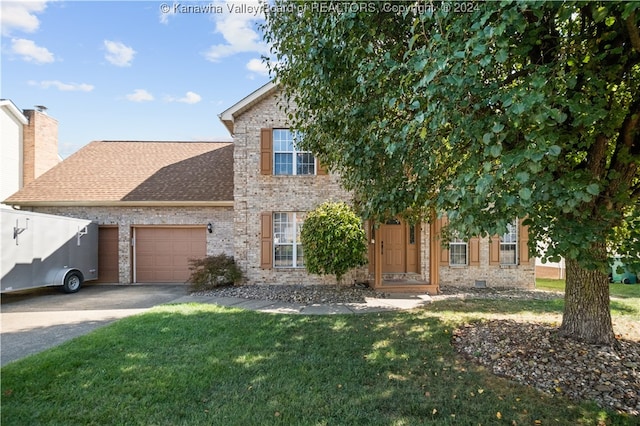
275 186
150 197
154 202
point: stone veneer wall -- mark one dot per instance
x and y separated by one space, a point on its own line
219 241
255 193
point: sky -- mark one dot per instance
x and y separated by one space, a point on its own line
131 70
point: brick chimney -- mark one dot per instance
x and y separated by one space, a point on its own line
40 143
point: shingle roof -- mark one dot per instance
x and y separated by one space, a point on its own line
131 172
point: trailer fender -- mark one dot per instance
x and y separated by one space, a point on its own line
69 280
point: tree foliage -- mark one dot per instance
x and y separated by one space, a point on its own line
510 109
333 240
501 110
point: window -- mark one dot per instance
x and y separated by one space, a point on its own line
287 159
287 247
509 245
458 250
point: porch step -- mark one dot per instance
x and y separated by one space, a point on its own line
402 276
408 283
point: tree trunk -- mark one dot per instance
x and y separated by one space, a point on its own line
587 316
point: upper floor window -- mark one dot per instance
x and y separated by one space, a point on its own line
509 245
287 158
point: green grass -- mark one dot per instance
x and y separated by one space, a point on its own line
615 290
625 298
198 364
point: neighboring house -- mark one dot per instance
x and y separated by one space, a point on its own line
275 185
154 202
28 146
255 193
553 270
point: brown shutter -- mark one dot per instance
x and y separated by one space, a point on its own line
523 243
494 250
444 250
266 241
474 251
266 151
322 170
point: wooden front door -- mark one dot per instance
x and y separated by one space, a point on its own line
393 246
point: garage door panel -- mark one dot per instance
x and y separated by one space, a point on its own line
108 258
162 254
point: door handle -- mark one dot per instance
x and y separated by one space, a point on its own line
382 247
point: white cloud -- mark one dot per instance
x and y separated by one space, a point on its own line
238 30
63 87
30 51
188 98
258 66
118 53
20 15
140 95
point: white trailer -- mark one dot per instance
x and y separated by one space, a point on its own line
41 250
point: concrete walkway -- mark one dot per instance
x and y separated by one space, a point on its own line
393 302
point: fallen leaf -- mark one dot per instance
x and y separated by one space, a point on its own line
433 413
498 415
427 394
480 391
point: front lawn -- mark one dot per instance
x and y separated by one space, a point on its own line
615 290
198 364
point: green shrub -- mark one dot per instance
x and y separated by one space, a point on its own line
333 240
213 271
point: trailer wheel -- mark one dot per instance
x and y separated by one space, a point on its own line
72 283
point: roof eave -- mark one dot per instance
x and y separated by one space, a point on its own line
228 116
14 110
109 203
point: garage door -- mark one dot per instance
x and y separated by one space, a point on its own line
108 255
162 254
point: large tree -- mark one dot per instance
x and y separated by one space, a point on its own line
485 112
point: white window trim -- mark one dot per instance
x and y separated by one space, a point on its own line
295 243
515 244
294 171
459 242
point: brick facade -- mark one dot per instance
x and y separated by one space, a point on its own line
40 145
126 218
514 276
256 193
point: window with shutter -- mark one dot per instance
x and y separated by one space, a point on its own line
280 155
266 152
266 241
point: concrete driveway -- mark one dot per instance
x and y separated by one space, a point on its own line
35 320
